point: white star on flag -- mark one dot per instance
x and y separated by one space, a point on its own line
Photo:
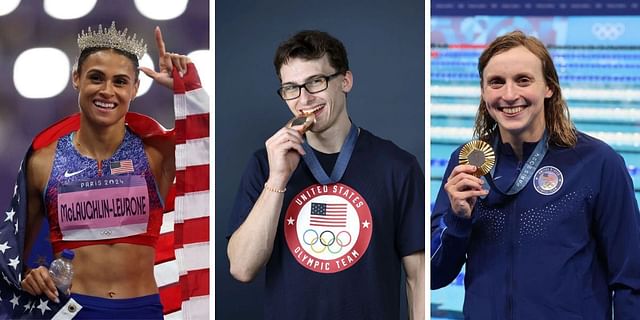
290 221
44 306
10 215
14 262
4 246
366 224
14 301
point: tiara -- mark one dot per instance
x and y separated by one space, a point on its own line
112 38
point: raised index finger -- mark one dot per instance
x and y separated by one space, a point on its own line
160 43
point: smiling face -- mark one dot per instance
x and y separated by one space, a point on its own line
514 91
329 106
106 83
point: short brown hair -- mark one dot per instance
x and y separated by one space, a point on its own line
311 45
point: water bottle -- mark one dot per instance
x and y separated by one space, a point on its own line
61 270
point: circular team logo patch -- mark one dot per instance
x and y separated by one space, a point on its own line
328 227
548 180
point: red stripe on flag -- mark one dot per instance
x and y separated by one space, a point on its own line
170 199
164 248
197 230
198 125
171 298
197 283
192 179
189 81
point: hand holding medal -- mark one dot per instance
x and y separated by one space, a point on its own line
464 185
479 154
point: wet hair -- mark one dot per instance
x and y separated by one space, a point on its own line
89 51
311 45
561 130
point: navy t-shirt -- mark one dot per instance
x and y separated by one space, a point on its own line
338 249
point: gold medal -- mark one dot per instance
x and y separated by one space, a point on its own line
304 120
480 154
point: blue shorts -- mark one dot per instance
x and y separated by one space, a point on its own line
146 307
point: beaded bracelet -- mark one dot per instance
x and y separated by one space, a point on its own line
266 187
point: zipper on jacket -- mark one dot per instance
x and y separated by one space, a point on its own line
510 260
511 253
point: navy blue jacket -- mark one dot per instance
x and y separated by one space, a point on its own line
569 249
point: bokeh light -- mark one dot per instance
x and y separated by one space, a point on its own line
145 81
7 6
161 9
41 73
66 10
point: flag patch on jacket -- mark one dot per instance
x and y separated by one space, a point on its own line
120 167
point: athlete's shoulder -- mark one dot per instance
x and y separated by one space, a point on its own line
43 155
591 144
383 147
39 165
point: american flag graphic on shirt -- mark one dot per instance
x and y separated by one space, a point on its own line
182 251
328 214
120 167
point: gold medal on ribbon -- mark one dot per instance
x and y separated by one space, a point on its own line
480 154
305 120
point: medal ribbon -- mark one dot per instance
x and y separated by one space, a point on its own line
527 171
341 163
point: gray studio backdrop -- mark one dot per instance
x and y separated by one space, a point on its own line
385 43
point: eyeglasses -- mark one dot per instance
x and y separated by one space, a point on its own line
314 85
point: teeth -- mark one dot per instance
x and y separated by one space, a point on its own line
105 105
512 110
306 112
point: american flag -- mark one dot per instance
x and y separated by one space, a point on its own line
184 282
182 253
120 167
328 214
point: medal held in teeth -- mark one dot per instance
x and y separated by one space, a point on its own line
305 120
479 154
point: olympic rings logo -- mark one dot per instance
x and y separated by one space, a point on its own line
607 31
326 240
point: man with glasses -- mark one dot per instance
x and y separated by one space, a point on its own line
335 229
